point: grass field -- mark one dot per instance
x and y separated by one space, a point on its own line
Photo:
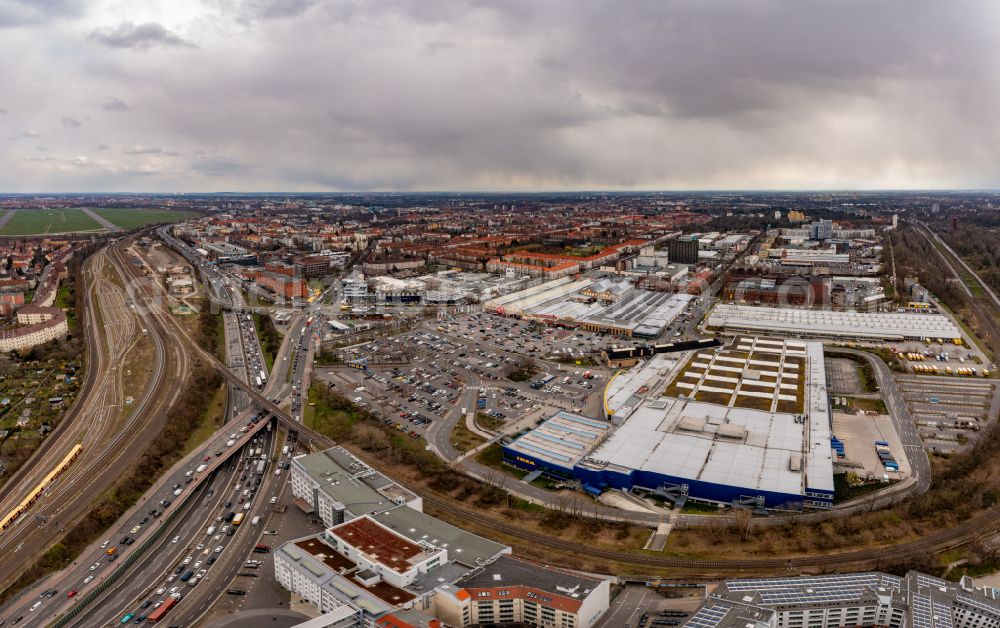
132 218
37 221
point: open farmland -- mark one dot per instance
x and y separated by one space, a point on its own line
40 221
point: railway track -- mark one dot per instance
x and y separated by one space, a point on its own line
931 543
111 445
92 340
985 308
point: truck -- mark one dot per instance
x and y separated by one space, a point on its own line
546 379
284 450
160 612
261 466
186 575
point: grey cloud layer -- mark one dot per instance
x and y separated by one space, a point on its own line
137 36
505 94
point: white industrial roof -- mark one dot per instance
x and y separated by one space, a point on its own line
645 312
651 441
825 323
620 395
741 447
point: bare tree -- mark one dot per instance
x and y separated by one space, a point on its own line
742 523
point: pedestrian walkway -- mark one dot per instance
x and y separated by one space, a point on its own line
658 539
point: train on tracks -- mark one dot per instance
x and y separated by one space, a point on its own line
40 488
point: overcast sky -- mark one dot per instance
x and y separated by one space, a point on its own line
310 95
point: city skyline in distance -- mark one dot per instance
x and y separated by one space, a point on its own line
257 96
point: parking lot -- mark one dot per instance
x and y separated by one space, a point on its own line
948 410
412 380
425 388
526 337
638 606
941 354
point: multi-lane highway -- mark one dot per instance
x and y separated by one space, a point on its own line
206 539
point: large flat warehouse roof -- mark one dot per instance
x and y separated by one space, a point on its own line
756 448
640 312
646 313
830 324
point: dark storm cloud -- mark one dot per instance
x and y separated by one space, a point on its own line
149 150
138 36
248 12
115 104
503 94
24 12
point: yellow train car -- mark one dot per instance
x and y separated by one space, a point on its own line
39 488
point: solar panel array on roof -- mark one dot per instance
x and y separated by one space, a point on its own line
833 588
562 439
917 600
921 611
708 616
856 580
